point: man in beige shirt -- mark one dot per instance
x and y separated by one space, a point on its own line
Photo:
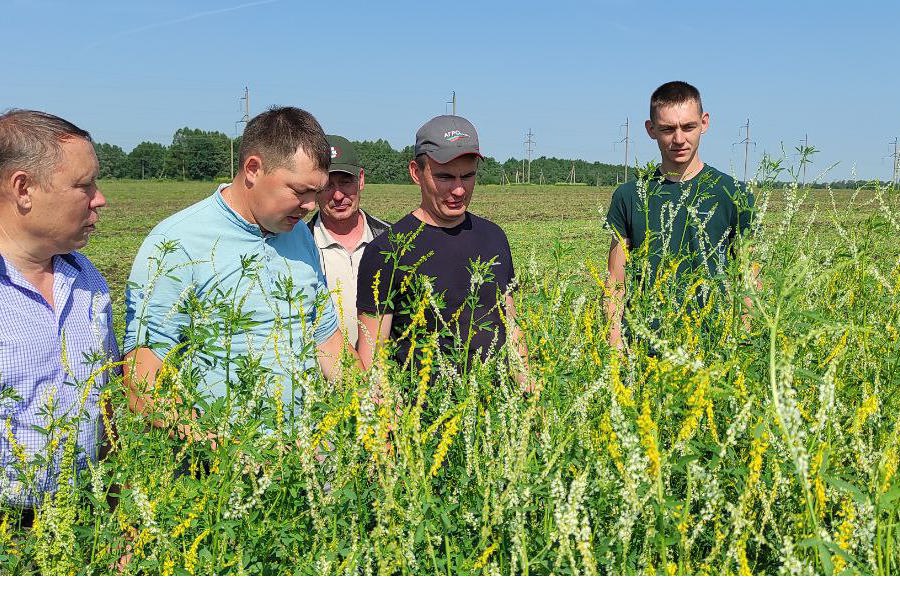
341 230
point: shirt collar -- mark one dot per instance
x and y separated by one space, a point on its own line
67 262
325 240
237 219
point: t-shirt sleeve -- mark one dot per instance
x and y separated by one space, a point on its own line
160 276
510 285
372 267
325 323
617 217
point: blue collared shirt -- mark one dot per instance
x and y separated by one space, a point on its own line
48 355
220 258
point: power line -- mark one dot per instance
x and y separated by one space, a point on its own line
451 102
747 142
244 119
529 144
625 140
895 177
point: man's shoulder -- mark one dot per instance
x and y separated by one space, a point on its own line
718 179
486 226
88 271
626 191
186 219
376 225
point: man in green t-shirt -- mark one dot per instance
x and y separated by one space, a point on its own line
686 210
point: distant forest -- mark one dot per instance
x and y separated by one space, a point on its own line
205 155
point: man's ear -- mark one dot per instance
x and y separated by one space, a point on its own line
253 168
704 122
21 184
362 179
414 172
648 125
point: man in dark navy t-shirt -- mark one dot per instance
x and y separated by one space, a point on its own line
440 268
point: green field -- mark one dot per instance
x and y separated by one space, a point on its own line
560 226
757 443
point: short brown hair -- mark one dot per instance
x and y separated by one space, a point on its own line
31 140
276 134
674 92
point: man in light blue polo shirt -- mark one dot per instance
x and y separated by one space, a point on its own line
57 347
235 270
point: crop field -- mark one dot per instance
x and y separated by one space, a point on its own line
719 442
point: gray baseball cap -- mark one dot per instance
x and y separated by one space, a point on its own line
446 137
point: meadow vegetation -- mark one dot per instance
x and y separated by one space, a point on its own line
719 442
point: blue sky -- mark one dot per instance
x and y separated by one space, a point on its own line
570 71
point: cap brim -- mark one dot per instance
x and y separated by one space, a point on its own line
344 168
445 155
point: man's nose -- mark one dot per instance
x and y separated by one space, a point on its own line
338 195
99 200
678 138
458 190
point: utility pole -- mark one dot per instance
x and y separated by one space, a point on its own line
625 140
746 142
529 143
805 145
451 102
245 119
895 178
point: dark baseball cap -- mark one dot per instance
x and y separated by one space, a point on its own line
446 137
343 155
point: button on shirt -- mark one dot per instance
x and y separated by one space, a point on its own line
217 256
51 370
342 269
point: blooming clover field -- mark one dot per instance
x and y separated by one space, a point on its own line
716 443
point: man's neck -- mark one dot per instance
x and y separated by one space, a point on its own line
30 262
345 231
237 200
674 172
426 218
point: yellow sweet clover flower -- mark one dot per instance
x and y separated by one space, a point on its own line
168 566
648 431
622 393
889 462
847 513
482 560
17 449
450 430
332 419
425 369
609 438
696 403
842 343
743 563
758 447
376 282
193 514
868 408
190 559
818 486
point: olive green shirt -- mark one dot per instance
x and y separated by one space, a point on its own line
696 220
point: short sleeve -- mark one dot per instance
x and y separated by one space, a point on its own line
327 321
160 275
617 217
371 267
508 285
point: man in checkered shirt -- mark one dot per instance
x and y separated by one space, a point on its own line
56 335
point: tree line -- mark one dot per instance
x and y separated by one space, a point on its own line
195 154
